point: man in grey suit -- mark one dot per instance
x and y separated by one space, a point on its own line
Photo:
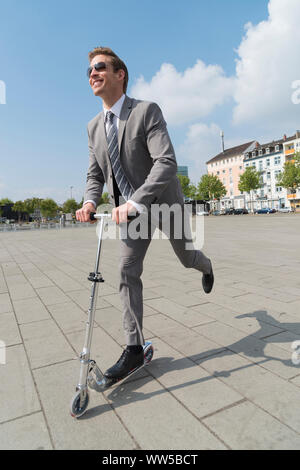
131 151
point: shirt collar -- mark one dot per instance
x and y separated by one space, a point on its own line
116 108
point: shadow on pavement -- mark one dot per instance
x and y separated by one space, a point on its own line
250 347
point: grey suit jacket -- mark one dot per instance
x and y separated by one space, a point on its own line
146 153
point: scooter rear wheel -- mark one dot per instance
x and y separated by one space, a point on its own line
76 409
148 354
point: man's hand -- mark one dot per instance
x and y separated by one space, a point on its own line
83 214
120 214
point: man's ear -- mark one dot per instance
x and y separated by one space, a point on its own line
121 74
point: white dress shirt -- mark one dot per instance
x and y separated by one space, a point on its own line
116 110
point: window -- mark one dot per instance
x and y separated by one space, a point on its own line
262 193
218 172
223 171
277 148
230 170
230 180
260 165
268 150
268 162
277 160
241 167
260 152
269 175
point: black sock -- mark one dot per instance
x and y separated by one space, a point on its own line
135 349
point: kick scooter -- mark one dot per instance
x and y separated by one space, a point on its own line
90 376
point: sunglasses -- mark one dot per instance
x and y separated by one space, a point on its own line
99 66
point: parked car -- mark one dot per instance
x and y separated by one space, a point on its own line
202 213
229 211
216 213
240 211
285 209
265 210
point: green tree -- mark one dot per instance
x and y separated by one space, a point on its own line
19 207
185 185
104 199
48 208
193 192
31 204
70 206
5 201
290 177
249 181
210 187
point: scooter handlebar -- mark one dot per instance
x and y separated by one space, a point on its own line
95 216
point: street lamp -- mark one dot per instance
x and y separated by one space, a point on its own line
71 187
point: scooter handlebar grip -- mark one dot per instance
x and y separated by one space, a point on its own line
92 215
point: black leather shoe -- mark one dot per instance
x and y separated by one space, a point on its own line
127 362
208 281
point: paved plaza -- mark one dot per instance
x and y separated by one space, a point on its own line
222 375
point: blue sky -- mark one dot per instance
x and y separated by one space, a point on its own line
43 61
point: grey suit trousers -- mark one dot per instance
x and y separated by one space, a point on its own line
132 254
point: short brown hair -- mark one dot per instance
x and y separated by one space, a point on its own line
116 62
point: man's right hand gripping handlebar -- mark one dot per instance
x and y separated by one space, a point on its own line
84 214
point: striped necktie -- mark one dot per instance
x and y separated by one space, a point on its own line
113 152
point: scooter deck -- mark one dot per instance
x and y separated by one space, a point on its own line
105 383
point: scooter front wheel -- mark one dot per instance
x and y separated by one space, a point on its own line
79 403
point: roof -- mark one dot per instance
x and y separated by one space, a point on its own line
232 152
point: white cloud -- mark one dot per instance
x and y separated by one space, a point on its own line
267 67
202 142
188 96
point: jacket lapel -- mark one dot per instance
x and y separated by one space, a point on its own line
125 111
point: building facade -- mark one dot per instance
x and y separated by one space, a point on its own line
290 147
228 166
182 170
269 160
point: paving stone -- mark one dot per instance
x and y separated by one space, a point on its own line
9 332
62 280
27 433
98 429
274 394
21 291
200 392
187 316
246 427
51 295
29 310
18 396
45 344
146 405
68 316
5 303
